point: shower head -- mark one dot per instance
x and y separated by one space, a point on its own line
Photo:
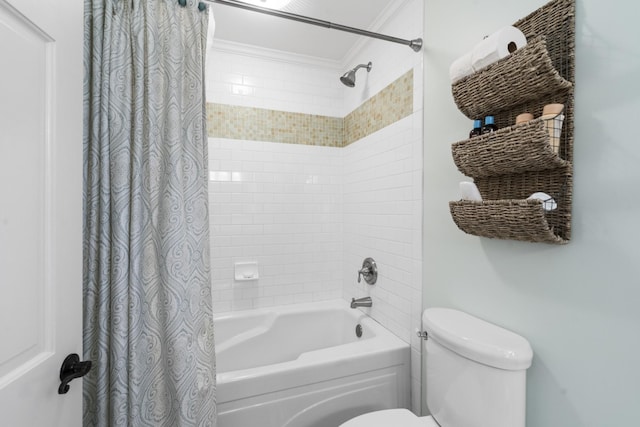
349 78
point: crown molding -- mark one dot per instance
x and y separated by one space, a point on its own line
386 16
235 48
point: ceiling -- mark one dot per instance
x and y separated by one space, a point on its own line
257 29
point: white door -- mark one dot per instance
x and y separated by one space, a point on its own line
40 209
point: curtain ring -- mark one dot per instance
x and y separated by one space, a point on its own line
202 7
182 3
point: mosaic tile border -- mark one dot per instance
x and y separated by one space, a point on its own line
388 106
257 124
391 104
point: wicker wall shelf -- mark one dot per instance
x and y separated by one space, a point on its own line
511 164
516 149
526 75
523 220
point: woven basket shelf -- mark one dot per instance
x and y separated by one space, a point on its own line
528 74
514 162
512 150
523 220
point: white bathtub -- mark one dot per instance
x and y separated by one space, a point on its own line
304 366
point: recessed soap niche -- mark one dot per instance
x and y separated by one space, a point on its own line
246 271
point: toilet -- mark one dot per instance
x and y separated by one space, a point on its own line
475 374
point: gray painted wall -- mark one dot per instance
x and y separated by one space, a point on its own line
579 305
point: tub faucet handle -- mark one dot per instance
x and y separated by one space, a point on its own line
363 272
369 271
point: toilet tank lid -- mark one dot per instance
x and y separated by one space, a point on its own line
476 339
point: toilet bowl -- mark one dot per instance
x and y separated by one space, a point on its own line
475 373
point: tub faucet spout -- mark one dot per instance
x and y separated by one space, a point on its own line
361 302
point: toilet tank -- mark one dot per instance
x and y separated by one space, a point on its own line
475 371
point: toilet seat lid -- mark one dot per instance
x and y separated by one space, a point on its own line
390 418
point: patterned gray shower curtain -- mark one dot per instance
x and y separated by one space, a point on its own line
148 324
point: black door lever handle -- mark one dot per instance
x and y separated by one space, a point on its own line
72 368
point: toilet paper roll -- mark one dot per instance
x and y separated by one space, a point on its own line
498 45
461 67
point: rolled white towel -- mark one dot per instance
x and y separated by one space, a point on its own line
548 203
461 68
469 191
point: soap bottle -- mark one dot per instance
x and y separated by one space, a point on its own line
524 118
477 129
489 125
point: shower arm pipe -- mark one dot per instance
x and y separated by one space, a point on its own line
367 66
415 44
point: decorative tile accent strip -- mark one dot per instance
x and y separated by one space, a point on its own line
391 104
257 124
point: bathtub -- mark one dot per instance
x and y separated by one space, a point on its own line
304 366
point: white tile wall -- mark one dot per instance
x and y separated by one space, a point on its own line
382 191
244 76
382 219
382 205
310 215
279 205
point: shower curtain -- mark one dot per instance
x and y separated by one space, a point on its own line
148 324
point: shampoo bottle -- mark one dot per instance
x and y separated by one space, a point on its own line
489 125
477 128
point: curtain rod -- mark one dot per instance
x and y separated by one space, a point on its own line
415 44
